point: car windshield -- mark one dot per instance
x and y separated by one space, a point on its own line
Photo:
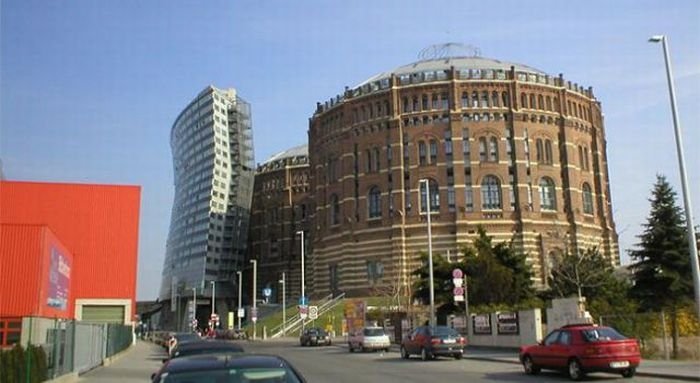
601 334
232 376
444 331
374 332
316 332
186 337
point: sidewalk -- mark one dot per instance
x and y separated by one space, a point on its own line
136 364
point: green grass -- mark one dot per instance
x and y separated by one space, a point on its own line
334 317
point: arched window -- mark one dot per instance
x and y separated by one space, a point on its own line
540 102
548 200
493 149
504 98
475 99
424 101
490 193
549 103
523 100
482 149
587 199
416 106
335 210
433 151
377 160
539 150
375 202
533 105
465 100
494 99
484 99
434 196
435 104
422 159
404 103
548 152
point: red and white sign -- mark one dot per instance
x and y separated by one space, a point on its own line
457 273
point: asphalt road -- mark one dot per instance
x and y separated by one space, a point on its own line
335 364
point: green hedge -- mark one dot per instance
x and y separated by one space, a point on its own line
15 362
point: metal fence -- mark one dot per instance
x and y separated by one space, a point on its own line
73 346
654 332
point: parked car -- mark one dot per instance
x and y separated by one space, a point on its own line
179 338
205 346
580 349
230 368
368 338
430 342
315 336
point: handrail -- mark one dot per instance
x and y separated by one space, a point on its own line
278 328
329 303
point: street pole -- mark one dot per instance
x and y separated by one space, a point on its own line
284 306
240 285
430 251
692 242
255 296
213 300
194 304
301 232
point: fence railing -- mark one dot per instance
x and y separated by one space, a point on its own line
324 305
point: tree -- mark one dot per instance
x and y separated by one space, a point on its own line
589 274
496 275
662 272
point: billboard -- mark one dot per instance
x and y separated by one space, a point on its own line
481 324
355 311
507 323
59 280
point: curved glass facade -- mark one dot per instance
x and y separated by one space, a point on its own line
213 164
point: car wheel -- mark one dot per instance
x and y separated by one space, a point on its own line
529 367
350 347
404 353
458 356
629 373
425 355
575 371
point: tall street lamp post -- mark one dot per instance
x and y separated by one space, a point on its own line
284 305
255 296
213 300
240 287
692 242
426 182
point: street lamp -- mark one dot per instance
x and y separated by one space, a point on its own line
284 305
240 285
430 250
194 304
301 232
692 244
255 297
213 300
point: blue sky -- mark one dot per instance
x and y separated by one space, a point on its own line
89 89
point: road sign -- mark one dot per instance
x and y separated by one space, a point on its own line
303 301
241 313
303 311
458 282
267 292
313 312
254 314
457 273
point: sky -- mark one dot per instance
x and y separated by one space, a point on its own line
89 89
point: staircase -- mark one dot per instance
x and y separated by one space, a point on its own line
324 305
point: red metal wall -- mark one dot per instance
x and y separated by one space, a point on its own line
25 252
97 223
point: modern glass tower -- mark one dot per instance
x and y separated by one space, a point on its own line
212 146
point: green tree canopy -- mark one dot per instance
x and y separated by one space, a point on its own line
662 271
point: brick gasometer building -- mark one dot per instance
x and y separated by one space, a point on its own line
503 145
281 209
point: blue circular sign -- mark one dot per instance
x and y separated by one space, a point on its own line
267 291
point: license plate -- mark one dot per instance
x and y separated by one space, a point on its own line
622 364
449 341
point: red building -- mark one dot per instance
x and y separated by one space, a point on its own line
94 226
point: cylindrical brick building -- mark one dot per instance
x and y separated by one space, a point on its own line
503 145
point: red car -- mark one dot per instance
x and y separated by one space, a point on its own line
583 348
430 342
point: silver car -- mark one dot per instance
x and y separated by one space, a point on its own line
368 338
